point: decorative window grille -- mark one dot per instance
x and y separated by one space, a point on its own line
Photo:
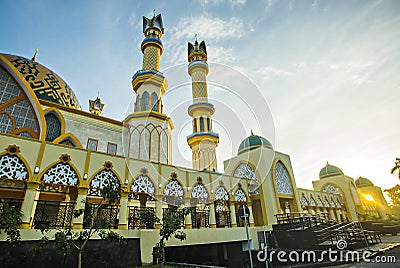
245 171
221 194
199 191
304 201
240 196
282 180
53 126
143 184
312 202
12 167
101 179
173 188
61 173
319 202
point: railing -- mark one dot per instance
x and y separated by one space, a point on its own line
200 218
223 219
302 220
134 217
52 214
107 216
165 211
12 202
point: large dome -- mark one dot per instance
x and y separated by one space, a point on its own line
46 84
361 182
253 142
330 170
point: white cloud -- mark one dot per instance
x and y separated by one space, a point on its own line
219 2
208 28
270 71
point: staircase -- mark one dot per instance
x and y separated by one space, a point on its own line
303 231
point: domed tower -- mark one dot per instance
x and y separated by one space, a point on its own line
203 141
148 129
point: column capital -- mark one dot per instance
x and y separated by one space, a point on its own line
32 185
83 190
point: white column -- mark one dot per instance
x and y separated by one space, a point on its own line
123 211
77 223
29 204
213 223
233 214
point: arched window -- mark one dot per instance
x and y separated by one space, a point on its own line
12 167
145 101
319 202
221 194
61 173
173 188
201 124
17 117
199 191
154 102
312 202
137 103
194 125
209 124
240 196
101 179
282 179
304 201
53 126
143 184
245 171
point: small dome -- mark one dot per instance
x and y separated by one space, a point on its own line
330 170
361 182
253 142
46 84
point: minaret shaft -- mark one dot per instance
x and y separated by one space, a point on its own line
203 141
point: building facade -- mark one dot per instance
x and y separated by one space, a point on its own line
54 155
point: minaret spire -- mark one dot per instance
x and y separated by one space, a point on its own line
203 141
150 85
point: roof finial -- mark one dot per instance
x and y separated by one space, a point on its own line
154 13
195 36
251 131
98 94
34 56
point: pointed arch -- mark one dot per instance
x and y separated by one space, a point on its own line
245 170
282 179
145 101
55 123
173 188
154 102
14 166
240 196
137 103
143 184
99 180
69 137
304 201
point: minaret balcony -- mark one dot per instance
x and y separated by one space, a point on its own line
154 41
149 76
197 65
201 108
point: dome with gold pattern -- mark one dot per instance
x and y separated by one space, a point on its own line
46 84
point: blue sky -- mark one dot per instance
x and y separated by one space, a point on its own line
329 70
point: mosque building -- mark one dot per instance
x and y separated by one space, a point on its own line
54 155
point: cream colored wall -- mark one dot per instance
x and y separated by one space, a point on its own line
343 182
84 127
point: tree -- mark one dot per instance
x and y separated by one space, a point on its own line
394 194
171 225
396 168
10 220
65 240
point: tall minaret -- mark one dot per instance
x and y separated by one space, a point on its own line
203 141
148 129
